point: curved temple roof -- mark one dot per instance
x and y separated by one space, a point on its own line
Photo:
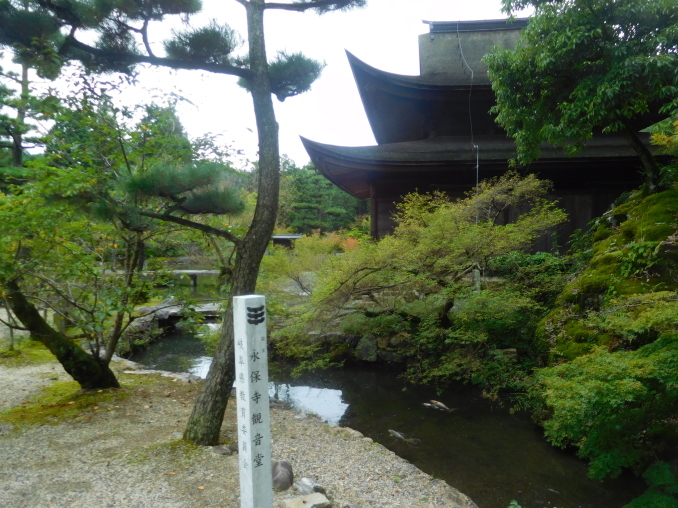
434 131
409 108
355 169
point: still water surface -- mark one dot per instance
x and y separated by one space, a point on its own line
480 448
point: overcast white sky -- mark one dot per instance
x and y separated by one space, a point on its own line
384 35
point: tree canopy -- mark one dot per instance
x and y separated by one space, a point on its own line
584 66
107 185
122 40
309 202
416 285
47 33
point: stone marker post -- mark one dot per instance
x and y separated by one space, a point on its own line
254 424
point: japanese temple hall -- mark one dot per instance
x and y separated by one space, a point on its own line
434 131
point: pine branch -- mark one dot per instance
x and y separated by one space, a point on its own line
144 37
143 31
130 58
62 12
10 76
194 225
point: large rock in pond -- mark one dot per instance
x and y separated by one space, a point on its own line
141 332
366 349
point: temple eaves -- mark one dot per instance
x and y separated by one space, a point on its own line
356 169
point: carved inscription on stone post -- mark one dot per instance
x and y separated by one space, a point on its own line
254 427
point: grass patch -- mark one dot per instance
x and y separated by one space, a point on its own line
174 453
28 352
63 401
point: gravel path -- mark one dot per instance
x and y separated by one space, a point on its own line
20 384
124 454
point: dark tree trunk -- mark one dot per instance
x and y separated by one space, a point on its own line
18 131
652 174
207 416
85 369
130 264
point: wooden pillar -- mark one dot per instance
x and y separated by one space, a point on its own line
374 212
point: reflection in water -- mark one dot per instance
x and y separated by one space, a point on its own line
200 366
481 449
184 353
324 402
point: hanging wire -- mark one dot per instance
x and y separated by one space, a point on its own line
470 114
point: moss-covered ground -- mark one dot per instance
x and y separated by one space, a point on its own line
64 401
25 352
633 254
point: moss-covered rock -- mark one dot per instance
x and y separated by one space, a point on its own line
634 252
367 348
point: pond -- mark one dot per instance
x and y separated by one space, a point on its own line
480 448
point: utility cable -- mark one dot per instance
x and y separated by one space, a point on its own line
470 114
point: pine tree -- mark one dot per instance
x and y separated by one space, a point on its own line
309 202
123 41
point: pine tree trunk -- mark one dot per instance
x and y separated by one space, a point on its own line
205 421
85 369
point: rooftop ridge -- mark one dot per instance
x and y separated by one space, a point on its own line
476 25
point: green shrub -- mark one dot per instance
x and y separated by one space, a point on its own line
662 491
615 407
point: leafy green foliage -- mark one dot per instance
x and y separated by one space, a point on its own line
287 276
414 291
143 162
576 70
612 392
310 202
536 276
639 257
75 232
668 142
614 406
663 488
57 255
34 36
488 341
20 108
